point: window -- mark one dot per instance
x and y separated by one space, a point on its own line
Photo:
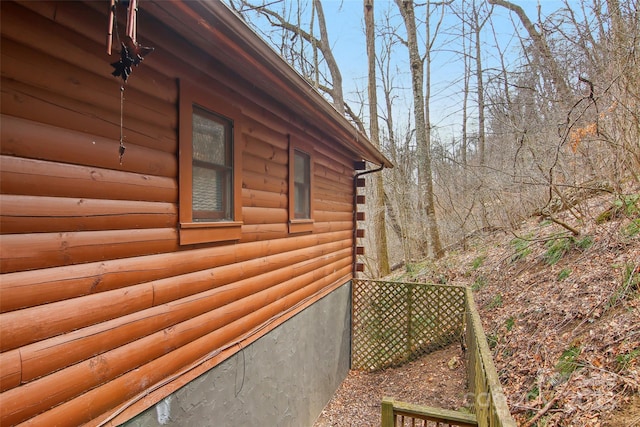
301 184
212 167
209 169
300 188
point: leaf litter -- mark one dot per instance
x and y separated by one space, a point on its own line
565 335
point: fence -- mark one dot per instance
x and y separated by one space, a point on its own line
395 322
490 404
404 414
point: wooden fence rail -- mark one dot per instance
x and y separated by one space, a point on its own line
489 401
396 322
400 414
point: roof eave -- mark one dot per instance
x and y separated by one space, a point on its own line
269 72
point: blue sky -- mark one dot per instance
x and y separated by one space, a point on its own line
345 28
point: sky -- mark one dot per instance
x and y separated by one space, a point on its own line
346 31
345 27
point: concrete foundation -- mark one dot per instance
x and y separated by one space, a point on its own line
283 379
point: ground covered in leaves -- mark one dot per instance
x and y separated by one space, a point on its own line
561 313
437 379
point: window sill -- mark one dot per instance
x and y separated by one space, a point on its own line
208 232
300 226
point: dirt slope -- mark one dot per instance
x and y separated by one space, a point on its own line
437 379
561 312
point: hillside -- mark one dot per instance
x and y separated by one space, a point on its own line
561 312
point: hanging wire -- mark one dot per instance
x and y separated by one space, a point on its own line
113 28
122 147
131 54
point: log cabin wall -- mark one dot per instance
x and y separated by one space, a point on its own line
99 301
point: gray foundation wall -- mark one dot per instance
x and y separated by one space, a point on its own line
283 379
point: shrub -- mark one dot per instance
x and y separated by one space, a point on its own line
556 248
564 273
629 287
568 361
585 243
509 323
632 229
479 283
522 248
625 360
624 205
477 262
496 301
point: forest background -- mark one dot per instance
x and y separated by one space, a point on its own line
491 111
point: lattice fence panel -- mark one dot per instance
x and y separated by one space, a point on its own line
394 322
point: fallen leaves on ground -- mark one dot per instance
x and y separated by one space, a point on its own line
436 379
566 332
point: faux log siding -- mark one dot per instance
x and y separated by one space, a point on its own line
108 302
326 216
80 45
263 182
38 287
42 250
46 356
253 163
27 101
103 91
36 396
267 150
107 396
25 138
11 372
31 214
268 199
29 177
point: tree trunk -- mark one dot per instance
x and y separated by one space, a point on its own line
398 219
430 209
465 95
480 83
379 222
420 108
325 48
541 45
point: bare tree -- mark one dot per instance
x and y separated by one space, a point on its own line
465 90
478 23
400 189
421 99
379 221
541 45
332 84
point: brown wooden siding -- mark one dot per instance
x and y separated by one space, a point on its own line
98 301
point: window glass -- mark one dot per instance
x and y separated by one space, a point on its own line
212 167
301 180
